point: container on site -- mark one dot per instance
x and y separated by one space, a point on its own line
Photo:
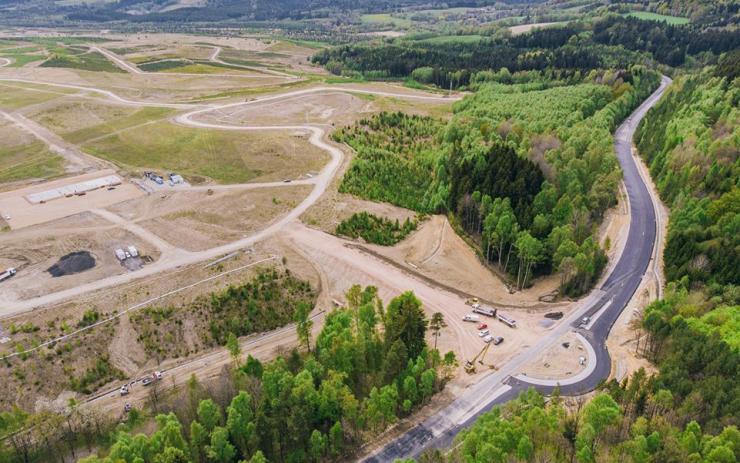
133 251
120 254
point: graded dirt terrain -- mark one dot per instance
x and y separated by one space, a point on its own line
34 249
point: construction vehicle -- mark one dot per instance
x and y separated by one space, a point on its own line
470 364
484 310
472 300
8 273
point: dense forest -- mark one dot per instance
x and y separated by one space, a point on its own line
527 169
612 42
629 427
368 366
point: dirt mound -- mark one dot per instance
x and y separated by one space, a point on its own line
72 263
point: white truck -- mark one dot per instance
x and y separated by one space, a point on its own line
8 273
471 318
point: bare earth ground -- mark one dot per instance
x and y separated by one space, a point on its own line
436 251
559 361
345 266
34 249
196 221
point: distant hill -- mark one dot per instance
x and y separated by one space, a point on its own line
210 10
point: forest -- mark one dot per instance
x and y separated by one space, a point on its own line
578 47
527 169
368 367
374 229
687 411
628 427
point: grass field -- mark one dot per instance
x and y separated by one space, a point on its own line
384 18
79 58
444 39
647 16
224 156
187 66
29 161
15 96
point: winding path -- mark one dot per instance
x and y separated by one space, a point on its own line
604 305
177 259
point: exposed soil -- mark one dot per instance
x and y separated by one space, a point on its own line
75 262
561 360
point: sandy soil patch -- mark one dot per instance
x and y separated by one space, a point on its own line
559 361
196 220
437 252
34 250
524 28
24 214
345 266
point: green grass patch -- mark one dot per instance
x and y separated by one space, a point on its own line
79 58
648 16
141 116
14 96
218 154
29 161
384 18
447 39
20 59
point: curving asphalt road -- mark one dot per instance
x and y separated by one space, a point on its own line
604 306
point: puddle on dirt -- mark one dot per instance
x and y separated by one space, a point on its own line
72 263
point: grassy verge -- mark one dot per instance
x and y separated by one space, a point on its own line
30 161
648 16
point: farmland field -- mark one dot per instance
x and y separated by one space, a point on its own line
223 156
648 16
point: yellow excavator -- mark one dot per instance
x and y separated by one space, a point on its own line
470 364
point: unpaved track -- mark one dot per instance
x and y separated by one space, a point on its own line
130 68
217 51
320 182
77 161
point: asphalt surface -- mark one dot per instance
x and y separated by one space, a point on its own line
604 305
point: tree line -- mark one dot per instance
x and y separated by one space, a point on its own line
628 427
369 366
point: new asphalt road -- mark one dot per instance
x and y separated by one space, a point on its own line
604 306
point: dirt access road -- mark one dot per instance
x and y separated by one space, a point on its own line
132 69
320 183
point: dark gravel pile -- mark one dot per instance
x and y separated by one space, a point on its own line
72 263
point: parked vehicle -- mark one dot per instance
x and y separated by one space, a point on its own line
483 310
124 389
157 375
482 326
585 320
488 339
497 340
127 407
483 333
147 381
471 318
